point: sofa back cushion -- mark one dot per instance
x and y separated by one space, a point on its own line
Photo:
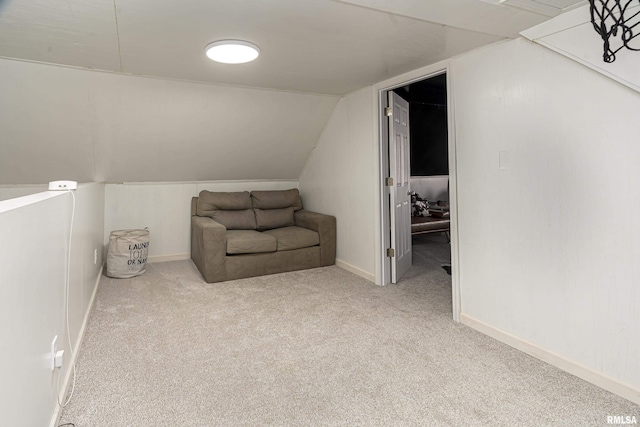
277 199
236 220
209 202
267 219
233 210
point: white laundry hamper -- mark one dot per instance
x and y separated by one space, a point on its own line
127 255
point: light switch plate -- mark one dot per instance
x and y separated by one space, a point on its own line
504 159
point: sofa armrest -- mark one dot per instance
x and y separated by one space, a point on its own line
325 226
209 248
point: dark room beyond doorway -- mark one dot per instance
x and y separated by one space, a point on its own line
428 133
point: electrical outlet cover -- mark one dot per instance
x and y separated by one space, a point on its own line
58 359
54 350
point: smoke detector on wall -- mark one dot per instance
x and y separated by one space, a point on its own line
541 7
63 185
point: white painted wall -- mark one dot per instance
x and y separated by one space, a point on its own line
166 209
572 35
66 123
34 231
549 242
13 191
339 179
432 188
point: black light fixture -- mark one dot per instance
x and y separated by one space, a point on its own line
613 20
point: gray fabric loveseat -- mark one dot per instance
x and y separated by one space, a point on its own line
242 234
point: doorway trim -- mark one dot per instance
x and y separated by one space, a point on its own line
382 263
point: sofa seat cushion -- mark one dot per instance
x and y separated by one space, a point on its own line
290 238
249 242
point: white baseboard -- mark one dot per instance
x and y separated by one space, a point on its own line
355 270
165 258
588 374
55 419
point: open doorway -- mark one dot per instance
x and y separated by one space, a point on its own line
428 156
429 160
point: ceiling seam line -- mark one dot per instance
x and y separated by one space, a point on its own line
416 18
115 14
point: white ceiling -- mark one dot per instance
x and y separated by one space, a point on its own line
314 46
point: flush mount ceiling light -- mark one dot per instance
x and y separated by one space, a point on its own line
232 51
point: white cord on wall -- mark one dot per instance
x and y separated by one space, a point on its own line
66 308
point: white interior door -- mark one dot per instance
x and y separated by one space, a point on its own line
400 192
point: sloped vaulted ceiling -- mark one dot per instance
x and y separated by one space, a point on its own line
160 111
62 123
318 46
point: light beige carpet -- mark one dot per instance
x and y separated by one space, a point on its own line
320 347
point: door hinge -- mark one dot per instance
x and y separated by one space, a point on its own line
391 252
388 181
388 111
